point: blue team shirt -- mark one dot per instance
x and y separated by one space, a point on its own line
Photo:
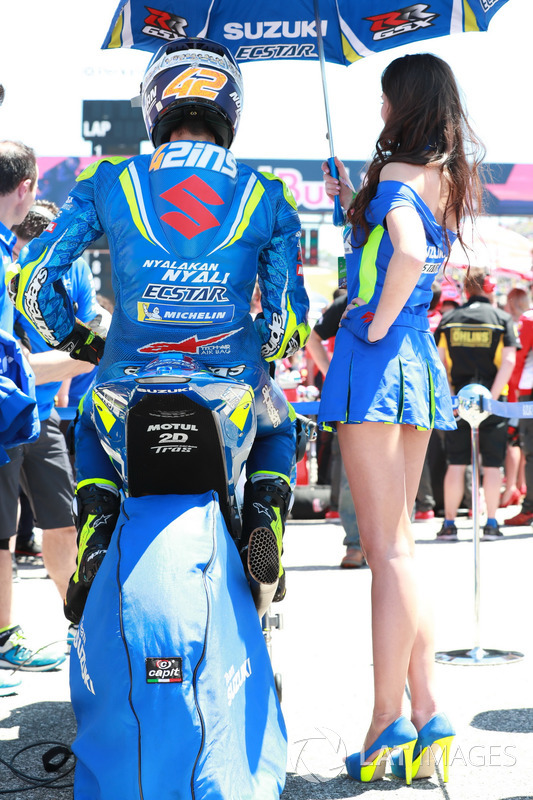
367 266
7 242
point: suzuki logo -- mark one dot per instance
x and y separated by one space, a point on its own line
189 197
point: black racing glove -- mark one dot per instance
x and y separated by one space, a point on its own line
83 344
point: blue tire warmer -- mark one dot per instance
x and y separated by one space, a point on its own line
171 681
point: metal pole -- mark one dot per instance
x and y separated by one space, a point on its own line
476 537
320 46
471 410
338 213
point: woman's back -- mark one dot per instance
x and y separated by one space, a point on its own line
428 181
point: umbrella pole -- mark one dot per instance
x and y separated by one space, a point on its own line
338 214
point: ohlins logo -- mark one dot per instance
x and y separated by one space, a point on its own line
462 337
164 25
403 20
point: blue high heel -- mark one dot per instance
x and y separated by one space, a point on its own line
438 732
400 733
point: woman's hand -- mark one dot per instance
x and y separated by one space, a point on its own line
364 327
340 187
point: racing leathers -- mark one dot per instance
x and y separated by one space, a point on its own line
189 231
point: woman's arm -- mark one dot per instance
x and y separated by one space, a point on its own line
409 242
341 186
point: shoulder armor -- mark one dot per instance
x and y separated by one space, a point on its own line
287 194
89 171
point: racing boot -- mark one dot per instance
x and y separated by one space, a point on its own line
265 509
96 510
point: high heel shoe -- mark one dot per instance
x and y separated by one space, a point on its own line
438 732
400 733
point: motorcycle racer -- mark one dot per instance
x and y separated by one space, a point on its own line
189 230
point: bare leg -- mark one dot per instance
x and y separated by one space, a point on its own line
454 489
383 464
59 555
421 672
6 588
492 484
512 464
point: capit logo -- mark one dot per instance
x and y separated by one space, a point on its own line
401 21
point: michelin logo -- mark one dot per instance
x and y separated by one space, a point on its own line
185 315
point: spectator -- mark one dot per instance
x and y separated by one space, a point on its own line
520 388
18 185
325 330
80 287
477 342
517 304
450 296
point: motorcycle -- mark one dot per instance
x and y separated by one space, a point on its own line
171 679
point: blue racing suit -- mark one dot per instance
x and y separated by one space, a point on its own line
189 230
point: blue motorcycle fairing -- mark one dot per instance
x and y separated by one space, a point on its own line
274 446
169 432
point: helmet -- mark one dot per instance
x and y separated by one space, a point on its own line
192 78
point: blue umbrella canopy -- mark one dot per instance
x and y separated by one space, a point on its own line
287 29
337 31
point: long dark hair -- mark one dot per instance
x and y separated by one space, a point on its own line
426 125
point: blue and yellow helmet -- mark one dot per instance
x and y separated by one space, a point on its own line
192 78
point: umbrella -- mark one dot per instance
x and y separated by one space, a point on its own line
338 31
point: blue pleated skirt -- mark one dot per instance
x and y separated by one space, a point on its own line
399 379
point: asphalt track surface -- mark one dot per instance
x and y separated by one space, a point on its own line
324 656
